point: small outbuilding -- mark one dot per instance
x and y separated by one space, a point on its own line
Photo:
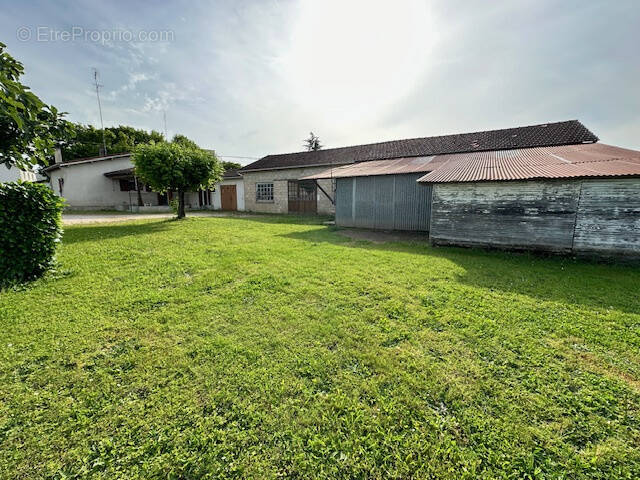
546 187
572 198
382 194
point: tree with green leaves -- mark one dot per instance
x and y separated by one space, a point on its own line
86 140
231 166
29 128
312 143
179 166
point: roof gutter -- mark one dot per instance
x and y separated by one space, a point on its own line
80 162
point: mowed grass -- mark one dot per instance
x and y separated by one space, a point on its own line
274 347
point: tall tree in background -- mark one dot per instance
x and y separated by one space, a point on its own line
178 166
29 128
86 140
231 166
312 143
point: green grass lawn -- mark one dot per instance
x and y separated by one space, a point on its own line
274 347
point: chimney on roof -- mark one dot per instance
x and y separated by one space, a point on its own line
57 155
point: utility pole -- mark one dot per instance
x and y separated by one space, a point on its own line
97 85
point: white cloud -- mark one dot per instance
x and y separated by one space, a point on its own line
252 78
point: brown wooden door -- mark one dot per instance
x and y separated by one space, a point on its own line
228 197
303 196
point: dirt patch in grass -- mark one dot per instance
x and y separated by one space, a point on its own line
382 236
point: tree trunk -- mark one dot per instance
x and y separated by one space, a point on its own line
139 189
181 204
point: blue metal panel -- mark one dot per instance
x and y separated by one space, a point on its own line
412 202
344 201
383 202
365 198
386 202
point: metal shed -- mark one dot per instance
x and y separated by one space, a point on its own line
382 195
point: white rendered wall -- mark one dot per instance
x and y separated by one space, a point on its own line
239 183
85 185
14 174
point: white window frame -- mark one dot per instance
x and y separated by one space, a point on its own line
262 192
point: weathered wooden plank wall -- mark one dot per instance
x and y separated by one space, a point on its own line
534 214
609 216
590 216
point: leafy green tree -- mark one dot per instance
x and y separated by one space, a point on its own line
184 141
231 166
176 166
86 140
28 127
312 143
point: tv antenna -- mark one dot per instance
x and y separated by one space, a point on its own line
164 118
98 86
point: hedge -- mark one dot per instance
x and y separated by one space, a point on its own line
30 229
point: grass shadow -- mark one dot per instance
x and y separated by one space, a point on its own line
91 232
545 277
272 218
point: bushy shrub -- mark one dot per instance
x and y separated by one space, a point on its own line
30 229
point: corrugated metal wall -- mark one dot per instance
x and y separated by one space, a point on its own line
344 202
385 202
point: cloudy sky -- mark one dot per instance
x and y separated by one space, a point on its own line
249 78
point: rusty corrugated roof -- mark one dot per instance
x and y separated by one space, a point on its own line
557 133
569 161
377 167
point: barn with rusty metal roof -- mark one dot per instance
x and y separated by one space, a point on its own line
561 193
277 183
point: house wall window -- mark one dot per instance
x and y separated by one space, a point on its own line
264 192
127 184
204 197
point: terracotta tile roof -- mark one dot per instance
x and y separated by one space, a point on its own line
560 133
569 161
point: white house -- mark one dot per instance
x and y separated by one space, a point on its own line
14 174
229 193
108 182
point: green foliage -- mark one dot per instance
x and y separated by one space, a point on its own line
184 141
171 166
29 231
265 347
312 143
28 127
177 166
86 140
173 204
230 166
